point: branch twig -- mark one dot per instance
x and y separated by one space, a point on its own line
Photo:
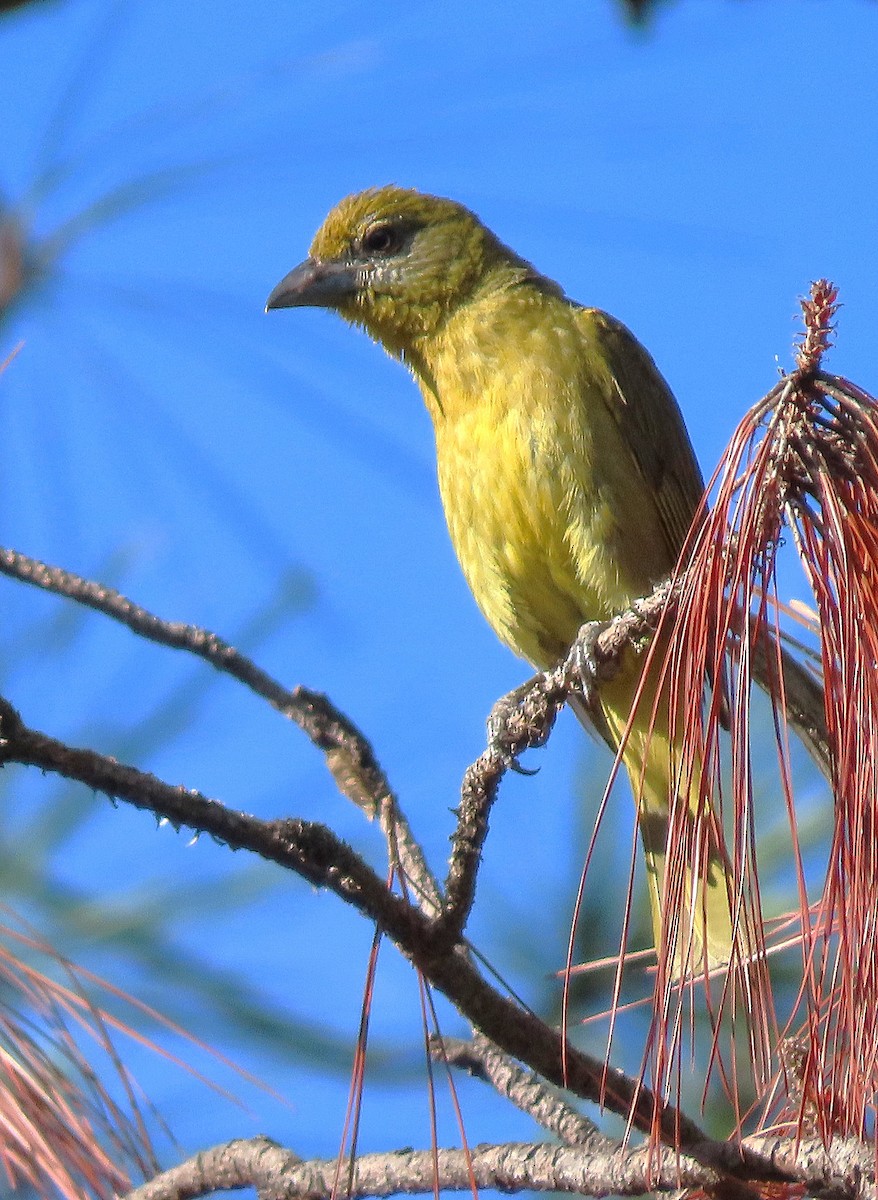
522 1088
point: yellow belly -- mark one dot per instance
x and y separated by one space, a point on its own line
529 528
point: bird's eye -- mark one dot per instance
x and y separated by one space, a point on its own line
381 239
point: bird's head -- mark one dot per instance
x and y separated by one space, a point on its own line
397 262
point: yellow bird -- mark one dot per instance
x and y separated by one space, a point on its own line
566 473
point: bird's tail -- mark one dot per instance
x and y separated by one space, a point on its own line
692 906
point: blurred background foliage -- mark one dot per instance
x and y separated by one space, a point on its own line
161 167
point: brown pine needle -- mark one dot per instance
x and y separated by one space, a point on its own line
804 460
63 1133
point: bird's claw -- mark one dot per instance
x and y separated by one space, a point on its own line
512 764
510 732
583 661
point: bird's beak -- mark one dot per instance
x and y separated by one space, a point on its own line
314 284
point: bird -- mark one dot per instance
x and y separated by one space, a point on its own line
566 473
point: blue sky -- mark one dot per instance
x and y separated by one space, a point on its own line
159 430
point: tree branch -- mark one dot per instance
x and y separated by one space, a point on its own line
276 1174
845 1173
313 851
349 755
322 858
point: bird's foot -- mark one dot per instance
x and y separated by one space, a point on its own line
522 720
584 665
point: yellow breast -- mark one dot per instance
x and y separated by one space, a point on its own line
522 484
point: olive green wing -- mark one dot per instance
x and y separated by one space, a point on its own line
650 423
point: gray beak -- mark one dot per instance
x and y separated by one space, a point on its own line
314 284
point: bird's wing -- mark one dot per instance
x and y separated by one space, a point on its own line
651 426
